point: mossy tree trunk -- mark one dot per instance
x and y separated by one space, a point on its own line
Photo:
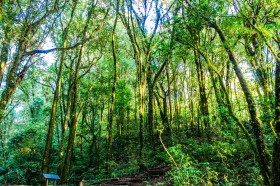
264 156
203 102
275 178
48 146
112 105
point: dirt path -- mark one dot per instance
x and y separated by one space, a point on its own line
153 176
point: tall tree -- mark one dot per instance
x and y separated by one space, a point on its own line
75 107
275 180
111 111
25 35
48 147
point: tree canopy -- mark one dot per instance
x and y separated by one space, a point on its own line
97 89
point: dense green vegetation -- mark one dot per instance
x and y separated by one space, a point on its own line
99 89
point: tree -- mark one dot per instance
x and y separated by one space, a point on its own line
111 111
21 28
46 157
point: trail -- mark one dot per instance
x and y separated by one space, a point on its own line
152 176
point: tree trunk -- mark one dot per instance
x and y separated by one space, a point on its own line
47 151
3 58
73 119
219 98
223 97
150 106
141 107
111 111
254 50
275 178
64 126
202 94
257 128
170 122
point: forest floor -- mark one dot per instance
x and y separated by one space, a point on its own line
153 176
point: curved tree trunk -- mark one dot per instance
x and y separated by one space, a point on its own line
275 178
48 146
256 123
112 106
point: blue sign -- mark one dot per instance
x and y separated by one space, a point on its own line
51 176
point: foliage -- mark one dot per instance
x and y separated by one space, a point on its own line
204 73
211 164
